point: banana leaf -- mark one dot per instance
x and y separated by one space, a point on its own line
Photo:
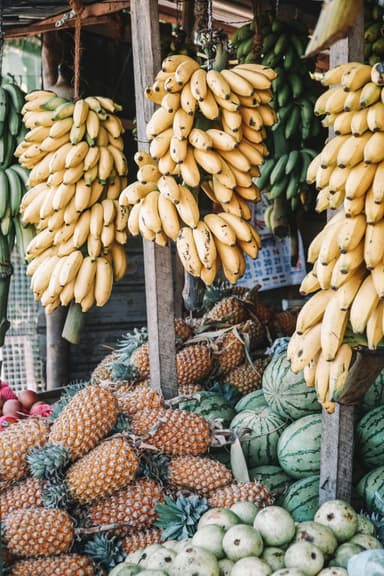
336 19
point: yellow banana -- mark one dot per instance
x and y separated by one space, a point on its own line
97 190
349 261
70 267
323 200
312 169
160 143
41 275
149 212
200 139
234 207
107 236
169 217
208 106
187 251
324 273
351 232
119 261
378 183
198 83
105 164
335 101
313 310
338 179
322 378
322 177
208 275
359 122
374 151
209 160
338 371
365 301
77 133
103 280
319 108
113 125
70 213
39 243
359 180
64 233
217 83
182 124
82 229
82 195
374 237
46 207
250 193
109 211
221 140
121 217
374 211
187 100
63 195
255 136
205 245
374 329
148 173
166 165
96 219
257 79
353 207
334 75
94 246
370 95
160 121
239 225
353 150
178 149
73 175
56 220
356 77
333 326
342 123
307 347
251 118
309 371
251 152
189 169
220 229
168 186
76 154
221 192
119 160
142 158
187 207
170 63
37 134
309 284
329 248
377 274
328 155
375 117
231 258
133 220
102 137
66 247
352 101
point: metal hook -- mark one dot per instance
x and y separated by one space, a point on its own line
65 17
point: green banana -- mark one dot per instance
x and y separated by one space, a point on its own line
16 190
278 170
16 95
293 161
265 169
292 124
4 194
24 235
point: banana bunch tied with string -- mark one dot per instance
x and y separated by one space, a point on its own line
12 176
74 152
292 140
206 136
347 277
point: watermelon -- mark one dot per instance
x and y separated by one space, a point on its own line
211 405
302 498
251 401
375 394
286 392
371 489
259 443
272 477
298 449
370 438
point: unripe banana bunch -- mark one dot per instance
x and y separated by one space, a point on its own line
243 42
347 277
291 140
206 135
373 32
12 176
74 151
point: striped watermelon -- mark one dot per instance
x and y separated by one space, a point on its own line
287 393
252 401
302 498
370 438
298 450
211 405
272 477
260 442
375 394
371 487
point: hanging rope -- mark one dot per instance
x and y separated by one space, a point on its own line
77 7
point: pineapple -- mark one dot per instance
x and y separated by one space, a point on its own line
133 507
136 400
182 330
284 323
246 378
253 333
86 419
199 474
15 443
103 371
175 432
140 362
232 493
188 389
27 493
193 364
61 565
38 531
140 539
229 351
229 310
111 464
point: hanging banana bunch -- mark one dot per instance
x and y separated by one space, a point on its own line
74 151
207 135
373 32
347 278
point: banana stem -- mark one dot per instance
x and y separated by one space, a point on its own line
73 324
221 58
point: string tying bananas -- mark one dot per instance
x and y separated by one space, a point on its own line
207 135
347 278
74 152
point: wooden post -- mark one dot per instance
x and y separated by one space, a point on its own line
157 259
337 438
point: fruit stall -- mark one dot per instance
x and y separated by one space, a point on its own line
221 434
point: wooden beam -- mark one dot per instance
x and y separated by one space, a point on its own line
337 438
157 259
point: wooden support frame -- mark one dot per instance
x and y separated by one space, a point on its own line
157 259
337 437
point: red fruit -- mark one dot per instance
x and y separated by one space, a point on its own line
6 421
27 398
12 408
7 393
41 409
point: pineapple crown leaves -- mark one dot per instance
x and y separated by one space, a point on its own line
105 549
214 293
230 393
122 424
129 342
56 494
179 518
153 465
70 391
124 371
48 461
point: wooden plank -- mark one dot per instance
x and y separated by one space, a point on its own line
337 440
157 260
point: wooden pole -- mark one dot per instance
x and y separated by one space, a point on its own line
337 439
157 259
